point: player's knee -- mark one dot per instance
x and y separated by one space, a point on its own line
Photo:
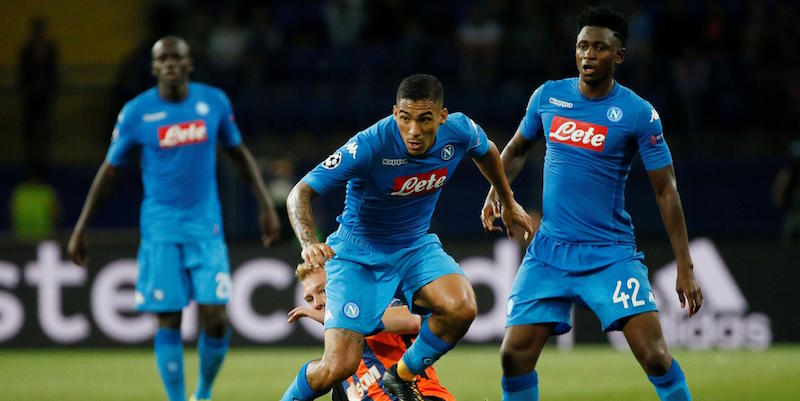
516 359
329 372
214 320
460 310
656 361
169 320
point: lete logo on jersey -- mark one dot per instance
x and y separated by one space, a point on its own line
578 133
180 134
420 183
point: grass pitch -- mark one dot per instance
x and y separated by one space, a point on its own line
472 373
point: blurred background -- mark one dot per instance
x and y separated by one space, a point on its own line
304 76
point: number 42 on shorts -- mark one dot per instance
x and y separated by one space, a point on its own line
622 296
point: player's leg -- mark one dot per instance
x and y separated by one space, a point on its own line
340 360
359 286
519 353
168 349
622 298
163 288
644 336
434 281
537 307
212 346
208 267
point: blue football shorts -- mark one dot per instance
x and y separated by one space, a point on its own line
363 277
542 293
170 274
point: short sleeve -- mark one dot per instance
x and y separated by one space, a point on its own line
349 161
123 138
478 141
229 134
531 123
650 136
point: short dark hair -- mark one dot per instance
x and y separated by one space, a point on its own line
605 17
420 87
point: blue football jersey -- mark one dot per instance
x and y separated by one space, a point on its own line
590 144
390 195
177 142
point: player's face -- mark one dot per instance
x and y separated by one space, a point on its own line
314 289
418 121
597 54
171 62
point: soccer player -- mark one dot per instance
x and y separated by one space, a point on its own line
394 172
381 350
584 251
176 127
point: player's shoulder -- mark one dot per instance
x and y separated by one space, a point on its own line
633 98
378 133
458 124
558 85
208 91
139 104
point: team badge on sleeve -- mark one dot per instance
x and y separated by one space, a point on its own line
332 161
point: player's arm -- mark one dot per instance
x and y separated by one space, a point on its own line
298 205
246 165
511 212
400 320
101 187
513 159
669 203
304 311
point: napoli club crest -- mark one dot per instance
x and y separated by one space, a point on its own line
614 114
351 310
447 152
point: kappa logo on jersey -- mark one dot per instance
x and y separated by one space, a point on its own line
560 103
654 115
352 147
578 133
420 183
332 161
153 117
394 162
180 134
448 151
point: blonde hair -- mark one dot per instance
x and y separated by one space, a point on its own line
304 270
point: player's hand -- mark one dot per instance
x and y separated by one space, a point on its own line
77 249
302 311
688 290
270 226
514 216
317 254
489 214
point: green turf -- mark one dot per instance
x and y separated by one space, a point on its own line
472 373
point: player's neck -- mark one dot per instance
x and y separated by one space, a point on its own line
596 91
173 93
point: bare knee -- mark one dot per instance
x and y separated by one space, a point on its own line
517 359
328 372
214 319
169 320
656 360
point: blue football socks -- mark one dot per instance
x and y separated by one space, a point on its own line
521 388
211 352
169 358
672 385
425 350
299 390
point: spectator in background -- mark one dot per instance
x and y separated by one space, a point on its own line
37 84
34 208
344 20
479 38
786 194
